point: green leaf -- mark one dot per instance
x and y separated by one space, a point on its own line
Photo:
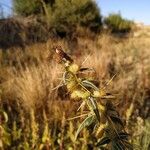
123 135
83 69
93 105
128 145
120 145
116 119
103 141
88 121
88 84
115 146
86 69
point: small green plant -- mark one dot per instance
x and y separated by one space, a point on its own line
5 137
142 134
102 116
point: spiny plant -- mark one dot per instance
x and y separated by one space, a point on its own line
102 116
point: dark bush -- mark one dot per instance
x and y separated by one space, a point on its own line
17 32
13 33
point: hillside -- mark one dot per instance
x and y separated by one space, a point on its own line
142 31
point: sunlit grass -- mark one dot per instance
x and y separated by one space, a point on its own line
37 115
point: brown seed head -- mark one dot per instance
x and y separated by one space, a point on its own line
60 55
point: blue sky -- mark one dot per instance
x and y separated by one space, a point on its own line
7 6
138 10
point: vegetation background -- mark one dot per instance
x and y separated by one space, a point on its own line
33 112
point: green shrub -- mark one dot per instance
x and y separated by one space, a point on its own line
84 13
62 15
27 7
116 23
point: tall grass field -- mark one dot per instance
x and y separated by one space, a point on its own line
36 111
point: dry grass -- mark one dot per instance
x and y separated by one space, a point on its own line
28 79
128 59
